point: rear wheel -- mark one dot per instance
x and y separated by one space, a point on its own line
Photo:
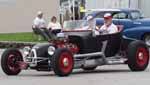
10 61
138 56
62 62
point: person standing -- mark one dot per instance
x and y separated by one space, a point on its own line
54 26
39 25
75 11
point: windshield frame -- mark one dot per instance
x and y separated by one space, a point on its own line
77 25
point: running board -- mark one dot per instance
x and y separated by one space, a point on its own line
99 62
116 61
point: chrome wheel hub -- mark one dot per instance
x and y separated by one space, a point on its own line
140 56
65 62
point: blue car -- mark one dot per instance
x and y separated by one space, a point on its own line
134 24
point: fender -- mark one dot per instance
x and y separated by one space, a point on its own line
136 32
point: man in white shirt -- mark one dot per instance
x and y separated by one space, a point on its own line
108 27
39 25
39 22
91 22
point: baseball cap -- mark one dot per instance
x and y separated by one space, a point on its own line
107 16
89 18
39 12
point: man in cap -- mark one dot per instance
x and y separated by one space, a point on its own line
108 27
39 25
92 25
39 22
91 22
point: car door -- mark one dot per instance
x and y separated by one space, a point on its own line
138 20
135 16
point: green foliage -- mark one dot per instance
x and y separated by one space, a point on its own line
21 37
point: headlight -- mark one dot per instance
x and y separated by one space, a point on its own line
26 50
51 50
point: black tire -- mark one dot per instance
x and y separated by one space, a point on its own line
138 56
57 62
89 68
146 39
9 60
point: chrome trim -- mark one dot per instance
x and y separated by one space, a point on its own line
33 60
89 54
125 37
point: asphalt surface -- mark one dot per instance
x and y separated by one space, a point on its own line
104 75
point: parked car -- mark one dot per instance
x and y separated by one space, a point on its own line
135 25
77 47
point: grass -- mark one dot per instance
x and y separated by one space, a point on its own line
21 37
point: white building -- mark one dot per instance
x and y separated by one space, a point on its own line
17 15
144 5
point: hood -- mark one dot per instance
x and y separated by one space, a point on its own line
42 49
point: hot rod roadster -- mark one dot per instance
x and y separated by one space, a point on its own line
76 48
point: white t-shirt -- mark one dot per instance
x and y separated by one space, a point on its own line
54 26
39 23
109 30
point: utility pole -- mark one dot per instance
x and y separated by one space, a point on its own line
73 6
129 4
69 4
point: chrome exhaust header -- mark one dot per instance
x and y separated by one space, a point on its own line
89 54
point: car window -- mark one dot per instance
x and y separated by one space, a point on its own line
116 15
120 16
136 15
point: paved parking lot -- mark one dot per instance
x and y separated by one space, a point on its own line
105 75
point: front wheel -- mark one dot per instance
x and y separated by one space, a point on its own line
138 56
62 62
10 61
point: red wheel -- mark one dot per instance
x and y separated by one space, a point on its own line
65 62
138 56
141 56
10 60
62 62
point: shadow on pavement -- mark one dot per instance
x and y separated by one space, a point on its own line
80 72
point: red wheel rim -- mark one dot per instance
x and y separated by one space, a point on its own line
12 60
141 56
66 62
